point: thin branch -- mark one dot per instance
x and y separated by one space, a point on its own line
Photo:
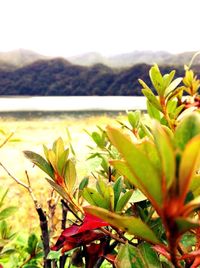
113 236
15 179
6 140
68 207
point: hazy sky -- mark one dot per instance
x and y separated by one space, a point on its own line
71 27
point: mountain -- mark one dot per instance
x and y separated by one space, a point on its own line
89 59
18 58
135 57
23 72
59 77
21 57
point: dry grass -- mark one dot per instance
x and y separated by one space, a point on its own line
33 132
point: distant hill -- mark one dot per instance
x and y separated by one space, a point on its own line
59 77
18 58
24 72
21 57
135 57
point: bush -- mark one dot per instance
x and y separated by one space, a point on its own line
143 210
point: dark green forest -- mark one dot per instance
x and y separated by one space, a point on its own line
59 77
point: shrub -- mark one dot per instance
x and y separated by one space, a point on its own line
144 208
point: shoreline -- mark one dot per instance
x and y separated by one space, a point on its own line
71 103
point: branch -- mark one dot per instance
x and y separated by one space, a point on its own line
6 140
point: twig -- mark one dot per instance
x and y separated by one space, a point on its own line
6 140
113 236
68 207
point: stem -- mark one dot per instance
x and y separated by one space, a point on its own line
64 215
63 258
172 237
67 206
165 113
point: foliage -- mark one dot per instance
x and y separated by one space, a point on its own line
140 208
58 77
6 230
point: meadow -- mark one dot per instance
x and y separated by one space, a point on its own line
31 131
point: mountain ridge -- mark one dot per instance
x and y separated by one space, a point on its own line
61 77
22 57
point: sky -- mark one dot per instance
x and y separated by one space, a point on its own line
109 27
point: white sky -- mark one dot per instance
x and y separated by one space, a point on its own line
71 27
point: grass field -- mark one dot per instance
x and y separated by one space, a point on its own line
33 131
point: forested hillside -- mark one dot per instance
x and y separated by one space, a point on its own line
60 77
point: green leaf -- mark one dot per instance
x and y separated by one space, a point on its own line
171 106
46 151
166 153
58 189
149 256
3 194
195 185
185 224
123 201
7 212
111 198
167 79
187 129
144 172
149 148
117 187
129 257
156 79
40 162
123 168
62 161
152 98
134 118
101 186
144 85
58 147
137 196
70 175
153 112
178 110
52 159
145 130
190 163
83 183
188 240
54 255
95 198
32 244
98 139
131 224
172 86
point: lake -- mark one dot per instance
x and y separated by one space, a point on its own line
75 104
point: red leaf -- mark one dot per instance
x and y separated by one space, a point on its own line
191 255
94 251
90 222
77 240
77 235
196 262
163 251
111 258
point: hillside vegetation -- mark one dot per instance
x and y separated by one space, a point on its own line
23 73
